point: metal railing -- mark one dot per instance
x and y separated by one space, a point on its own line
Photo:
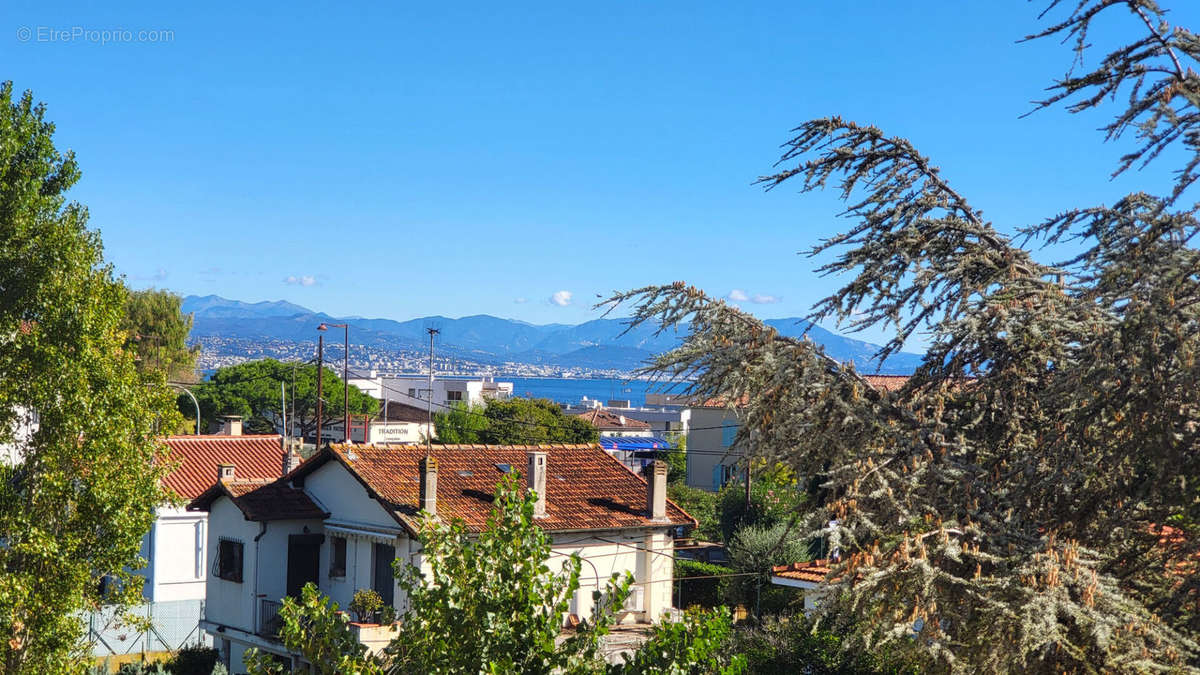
269 622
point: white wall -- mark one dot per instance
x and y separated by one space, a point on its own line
178 544
649 557
228 602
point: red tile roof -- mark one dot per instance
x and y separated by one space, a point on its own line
261 500
606 419
814 572
256 457
586 488
886 382
402 412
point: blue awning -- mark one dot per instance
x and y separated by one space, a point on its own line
634 443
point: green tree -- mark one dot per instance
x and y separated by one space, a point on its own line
490 603
82 490
251 390
755 549
460 424
1007 505
157 332
519 421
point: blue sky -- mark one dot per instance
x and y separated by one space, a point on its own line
395 160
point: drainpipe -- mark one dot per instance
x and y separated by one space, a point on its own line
257 608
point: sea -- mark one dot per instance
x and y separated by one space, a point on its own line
573 390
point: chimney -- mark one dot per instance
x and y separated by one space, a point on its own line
656 491
291 458
535 477
231 425
428 468
224 472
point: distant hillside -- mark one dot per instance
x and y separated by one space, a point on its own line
598 344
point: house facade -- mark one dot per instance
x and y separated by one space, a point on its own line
344 516
447 391
711 459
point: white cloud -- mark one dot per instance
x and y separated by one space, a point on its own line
520 301
738 295
561 298
763 299
306 280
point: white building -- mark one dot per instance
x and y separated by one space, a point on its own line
25 425
397 423
347 513
176 547
447 391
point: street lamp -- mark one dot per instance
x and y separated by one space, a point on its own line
345 376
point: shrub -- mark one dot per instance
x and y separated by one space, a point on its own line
703 592
193 660
365 605
789 644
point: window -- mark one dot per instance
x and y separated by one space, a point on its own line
728 433
337 557
454 396
412 392
229 560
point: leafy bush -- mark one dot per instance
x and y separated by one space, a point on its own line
193 660
365 604
773 499
789 644
700 504
699 644
756 549
703 592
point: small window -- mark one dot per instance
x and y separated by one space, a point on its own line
504 468
229 560
454 396
337 557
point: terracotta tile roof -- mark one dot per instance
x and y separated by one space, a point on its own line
606 419
586 488
256 457
813 572
261 500
886 382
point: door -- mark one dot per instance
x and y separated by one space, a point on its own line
383 581
303 561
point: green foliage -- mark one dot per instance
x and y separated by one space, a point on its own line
193 660
698 644
1012 494
313 627
490 603
251 390
702 592
772 501
460 424
790 644
756 549
157 332
365 604
702 505
137 668
517 421
76 505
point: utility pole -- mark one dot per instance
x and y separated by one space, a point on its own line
345 378
320 370
429 403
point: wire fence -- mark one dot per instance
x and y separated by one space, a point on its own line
170 626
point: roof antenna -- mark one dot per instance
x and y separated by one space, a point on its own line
429 402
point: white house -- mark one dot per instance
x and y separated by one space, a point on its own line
397 422
809 577
343 516
447 391
176 547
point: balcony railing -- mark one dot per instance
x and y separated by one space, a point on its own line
269 622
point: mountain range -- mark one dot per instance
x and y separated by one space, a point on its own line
600 344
